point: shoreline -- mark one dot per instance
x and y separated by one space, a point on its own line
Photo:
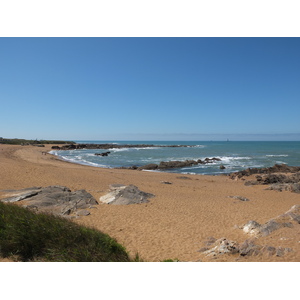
141 168
176 222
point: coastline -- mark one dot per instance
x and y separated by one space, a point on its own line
176 222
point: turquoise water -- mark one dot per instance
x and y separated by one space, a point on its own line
235 156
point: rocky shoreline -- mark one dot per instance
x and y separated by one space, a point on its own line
173 164
280 177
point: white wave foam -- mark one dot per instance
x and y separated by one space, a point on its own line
277 155
132 148
233 157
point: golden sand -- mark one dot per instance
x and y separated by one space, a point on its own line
176 222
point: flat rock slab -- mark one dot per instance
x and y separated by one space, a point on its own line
58 200
124 195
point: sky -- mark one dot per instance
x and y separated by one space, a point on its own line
164 88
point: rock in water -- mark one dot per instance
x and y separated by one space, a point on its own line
124 195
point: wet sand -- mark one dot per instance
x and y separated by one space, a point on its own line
176 222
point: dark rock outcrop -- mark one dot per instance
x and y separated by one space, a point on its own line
173 164
103 154
148 167
277 168
279 177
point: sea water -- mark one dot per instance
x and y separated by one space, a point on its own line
235 156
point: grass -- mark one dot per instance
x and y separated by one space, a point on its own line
44 237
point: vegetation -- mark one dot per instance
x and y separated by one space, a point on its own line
29 236
31 142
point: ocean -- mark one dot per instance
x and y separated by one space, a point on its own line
235 156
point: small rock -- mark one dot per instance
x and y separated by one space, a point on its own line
239 198
184 177
83 212
252 227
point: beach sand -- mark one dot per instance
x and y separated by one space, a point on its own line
176 222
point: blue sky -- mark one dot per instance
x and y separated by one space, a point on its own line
150 88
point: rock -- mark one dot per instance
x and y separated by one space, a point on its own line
294 213
184 177
83 212
222 246
277 168
22 195
166 182
279 187
284 220
222 167
124 195
274 178
292 187
58 200
103 154
239 198
249 248
295 187
252 227
175 164
148 167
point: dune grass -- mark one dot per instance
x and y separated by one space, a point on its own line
43 237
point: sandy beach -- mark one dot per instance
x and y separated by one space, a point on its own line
175 223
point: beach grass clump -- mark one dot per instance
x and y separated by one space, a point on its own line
29 236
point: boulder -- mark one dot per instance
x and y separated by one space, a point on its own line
103 154
58 200
124 195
